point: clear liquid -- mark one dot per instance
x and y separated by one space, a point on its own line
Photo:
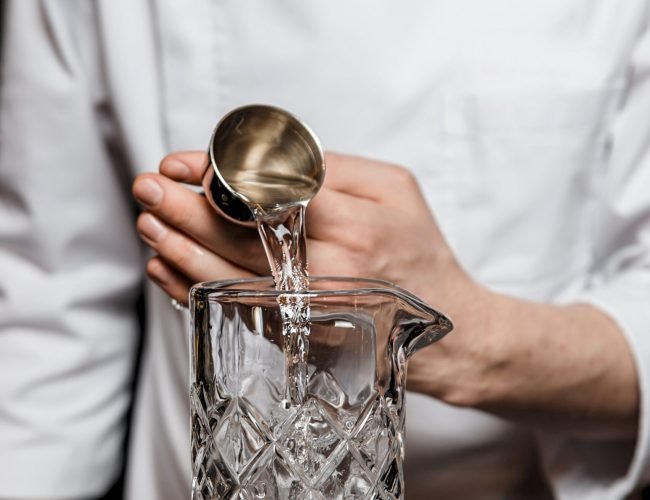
278 202
271 188
282 231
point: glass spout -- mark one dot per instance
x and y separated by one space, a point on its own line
416 324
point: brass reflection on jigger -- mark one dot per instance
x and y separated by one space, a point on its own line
261 157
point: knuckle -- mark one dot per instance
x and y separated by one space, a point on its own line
368 247
357 264
174 248
404 177
372 261
154 267
381 263
165 159
185 253
140 222
184 219
370 236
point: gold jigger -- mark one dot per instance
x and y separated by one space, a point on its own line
261 158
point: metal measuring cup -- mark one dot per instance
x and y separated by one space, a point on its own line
261 157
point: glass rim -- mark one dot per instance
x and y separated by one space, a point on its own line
366 287
360 286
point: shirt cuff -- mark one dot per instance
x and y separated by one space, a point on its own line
581 469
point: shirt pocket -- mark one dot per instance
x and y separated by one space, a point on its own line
520 165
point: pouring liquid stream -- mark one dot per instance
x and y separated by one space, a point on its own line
283 236
281 226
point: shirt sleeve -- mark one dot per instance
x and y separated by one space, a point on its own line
619 286
69 260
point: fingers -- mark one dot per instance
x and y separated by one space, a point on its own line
360 200
193 261
191 214
171 281
339 217
377 181
373 180
328 259
180 225
182 262
185 166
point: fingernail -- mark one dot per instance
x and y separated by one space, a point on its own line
150 227
147 191
177 170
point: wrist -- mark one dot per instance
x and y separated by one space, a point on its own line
471 364
484 322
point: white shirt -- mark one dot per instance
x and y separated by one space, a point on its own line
526 123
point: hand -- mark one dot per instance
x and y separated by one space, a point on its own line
368 220
532 362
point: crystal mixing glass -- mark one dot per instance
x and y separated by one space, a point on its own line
347 439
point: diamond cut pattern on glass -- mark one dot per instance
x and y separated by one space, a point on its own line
206 409
325 387
210 479
392 479
372 436
265 402
238 438
275 480
310 439
321 452
348 480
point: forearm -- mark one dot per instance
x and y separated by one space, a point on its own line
567 368
570 368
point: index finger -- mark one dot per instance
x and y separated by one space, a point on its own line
378 181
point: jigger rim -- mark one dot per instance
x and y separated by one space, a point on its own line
273 109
